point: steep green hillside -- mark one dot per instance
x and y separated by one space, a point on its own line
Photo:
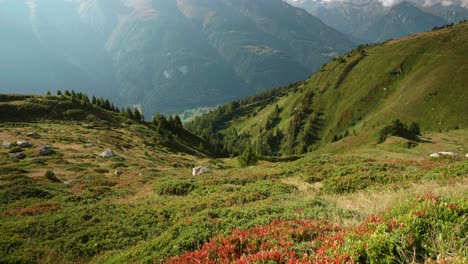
421 79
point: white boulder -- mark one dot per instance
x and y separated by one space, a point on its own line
7 144
443 154
108 153
23 144
197 171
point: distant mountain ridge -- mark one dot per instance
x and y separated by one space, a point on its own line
167 56
374 21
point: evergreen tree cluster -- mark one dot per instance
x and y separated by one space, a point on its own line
269 140
171 123
400 129
84 100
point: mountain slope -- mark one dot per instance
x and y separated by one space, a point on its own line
166 56
204 53
421 78
144 206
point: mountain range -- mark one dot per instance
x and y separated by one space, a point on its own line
374 21
166 56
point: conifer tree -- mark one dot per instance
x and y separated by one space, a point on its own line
106 105
137 115
129 113
248 157
177 122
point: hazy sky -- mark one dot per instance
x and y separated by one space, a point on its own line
462 3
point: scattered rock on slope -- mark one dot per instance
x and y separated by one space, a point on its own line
32 134
108 153
197 171
18 155
45 150
443 154
23 144
7 144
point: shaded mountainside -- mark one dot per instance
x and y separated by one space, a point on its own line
167 56
419 80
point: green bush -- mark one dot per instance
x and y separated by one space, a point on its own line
51 176
399 129
176 188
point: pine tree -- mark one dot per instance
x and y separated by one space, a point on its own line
48 93
248 157
106 105
67 93
414 127
136 114
94 100
129 113
59 92
178 122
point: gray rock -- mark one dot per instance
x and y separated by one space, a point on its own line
45 150
23 144
7 144
118 173
108 153
18 155
32 134
200 170
89 145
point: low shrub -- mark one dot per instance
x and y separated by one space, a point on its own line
51 176
175 187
